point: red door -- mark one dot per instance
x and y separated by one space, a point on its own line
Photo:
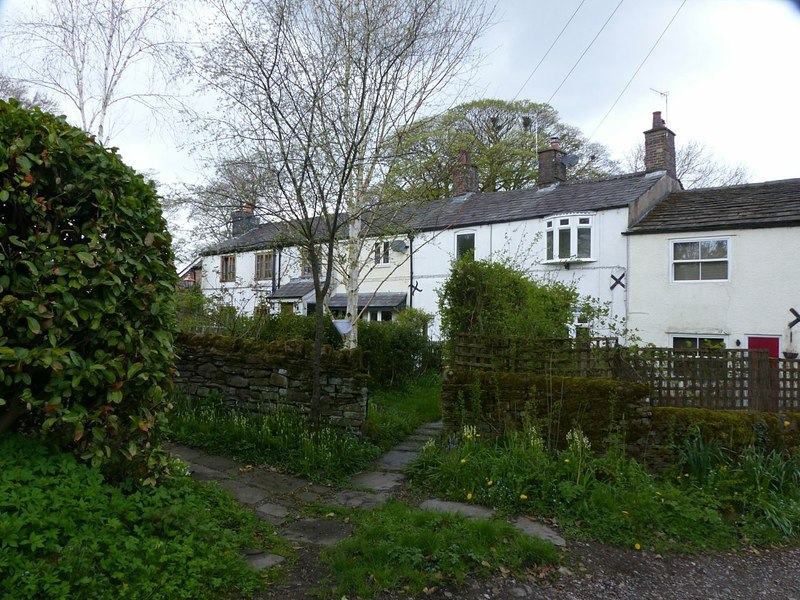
773 344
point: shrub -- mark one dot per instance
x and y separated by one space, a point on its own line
65 533
86 294
493 298
398 351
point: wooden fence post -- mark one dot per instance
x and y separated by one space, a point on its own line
759 381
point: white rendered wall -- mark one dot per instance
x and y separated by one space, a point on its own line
764 283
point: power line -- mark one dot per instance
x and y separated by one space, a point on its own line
580 58
558 37
637 70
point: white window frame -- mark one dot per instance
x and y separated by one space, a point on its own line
697 337
268 256
571 222
728 258
466 232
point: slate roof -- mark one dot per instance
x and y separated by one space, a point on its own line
480 208
518 205
296 288
378 300
755 205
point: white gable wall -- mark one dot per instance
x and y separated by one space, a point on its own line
764 283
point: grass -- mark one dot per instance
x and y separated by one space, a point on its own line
283 439
399 548
394 413
65 533
755 497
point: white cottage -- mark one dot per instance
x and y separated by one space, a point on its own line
568 230
719 266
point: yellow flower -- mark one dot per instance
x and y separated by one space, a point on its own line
637 546
477 435
463 460
566 460
787 423
469 496
469 436
624 512
523 497
489 483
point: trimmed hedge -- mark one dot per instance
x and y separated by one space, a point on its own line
735 430
496 402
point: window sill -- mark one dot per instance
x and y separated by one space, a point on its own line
569 261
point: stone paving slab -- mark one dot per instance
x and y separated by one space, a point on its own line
379 481
395 460
356 499
468 510
264 561
414 446
277 484
203 473
218 463
272 513
320 532
185 453
242 492
417 437
539 530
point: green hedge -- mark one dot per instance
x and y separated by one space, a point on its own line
397 351
497 402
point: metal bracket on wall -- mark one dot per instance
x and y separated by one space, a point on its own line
618 281
415 287
796 319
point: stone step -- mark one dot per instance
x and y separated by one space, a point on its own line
395 460
379 481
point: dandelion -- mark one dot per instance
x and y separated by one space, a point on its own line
489 483
624 512
523 497
566 460
787 423
469 496
463 460
637 546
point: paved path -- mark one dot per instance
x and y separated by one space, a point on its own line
277 498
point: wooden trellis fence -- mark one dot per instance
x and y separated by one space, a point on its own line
706 378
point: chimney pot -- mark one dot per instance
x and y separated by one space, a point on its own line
657 120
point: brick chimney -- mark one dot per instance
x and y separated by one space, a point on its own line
244 219
659 147
465 175
551 168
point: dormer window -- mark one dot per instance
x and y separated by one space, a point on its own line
569 237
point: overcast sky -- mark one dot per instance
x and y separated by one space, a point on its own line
729 67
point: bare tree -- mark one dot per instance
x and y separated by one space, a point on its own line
317 90
92 54
13 89
695 166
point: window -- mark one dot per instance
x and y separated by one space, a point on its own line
227 268
465 245
264 269
305 264
261 310
569 237
695 342
700 260
381 253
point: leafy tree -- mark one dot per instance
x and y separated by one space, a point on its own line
503 138
86 295
312 92
495 299
695 166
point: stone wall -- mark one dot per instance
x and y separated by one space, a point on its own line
495 402
259 376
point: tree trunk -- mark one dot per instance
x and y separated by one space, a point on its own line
316 370
352 280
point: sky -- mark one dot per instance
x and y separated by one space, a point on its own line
725 73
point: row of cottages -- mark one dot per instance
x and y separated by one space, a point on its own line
638 242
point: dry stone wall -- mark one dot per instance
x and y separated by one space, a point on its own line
258 376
